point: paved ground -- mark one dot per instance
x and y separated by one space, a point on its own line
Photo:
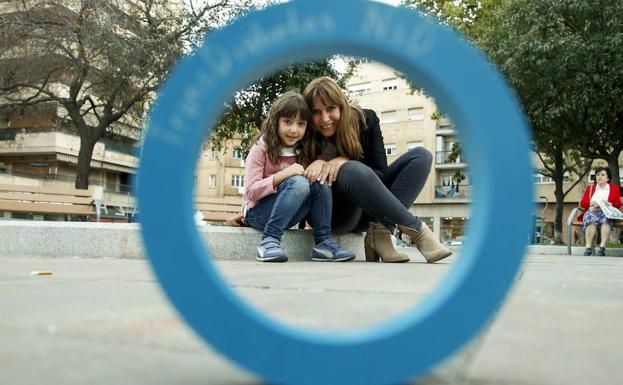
105 321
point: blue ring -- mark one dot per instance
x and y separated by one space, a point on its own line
495 138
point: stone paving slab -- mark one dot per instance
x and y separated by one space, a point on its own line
103 321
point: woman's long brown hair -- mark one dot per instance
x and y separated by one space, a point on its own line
347 131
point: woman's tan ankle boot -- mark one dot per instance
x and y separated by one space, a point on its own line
427 243
378 244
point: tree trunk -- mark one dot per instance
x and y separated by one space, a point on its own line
559 194
84 163
613 164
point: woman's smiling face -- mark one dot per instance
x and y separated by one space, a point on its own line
325 117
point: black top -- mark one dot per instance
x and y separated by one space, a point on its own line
371 140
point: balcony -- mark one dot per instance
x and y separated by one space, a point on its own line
460 193
126 149
445 130
8 134
442 161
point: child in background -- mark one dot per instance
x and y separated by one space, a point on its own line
277 195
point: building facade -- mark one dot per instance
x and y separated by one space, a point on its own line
413 119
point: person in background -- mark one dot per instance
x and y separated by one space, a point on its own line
592 216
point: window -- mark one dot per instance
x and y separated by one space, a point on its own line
362 60
412 145
390 149
416 113
212 181
542 179
213 154
237 180
390 84
236 153
388 116
359 89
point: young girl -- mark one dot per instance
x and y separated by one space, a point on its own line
277 195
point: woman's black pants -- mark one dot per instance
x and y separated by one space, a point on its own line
361 196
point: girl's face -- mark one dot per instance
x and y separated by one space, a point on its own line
325 118
291 130
602 177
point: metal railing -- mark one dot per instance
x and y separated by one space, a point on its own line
453 192
8 134
442 157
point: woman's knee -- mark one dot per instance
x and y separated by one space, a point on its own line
353 170
421 155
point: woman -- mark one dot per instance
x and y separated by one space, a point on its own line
600 191
351 158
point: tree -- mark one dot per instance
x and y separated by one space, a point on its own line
100 61
467 16
550 51
601 25
563 58
244 114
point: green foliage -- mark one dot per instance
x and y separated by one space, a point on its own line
565 60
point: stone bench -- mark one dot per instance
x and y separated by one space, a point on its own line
121 240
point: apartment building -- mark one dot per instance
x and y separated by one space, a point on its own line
409 120
38 145
220 173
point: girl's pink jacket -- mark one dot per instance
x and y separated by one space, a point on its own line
258 175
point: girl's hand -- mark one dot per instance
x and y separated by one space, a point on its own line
236 221
332 168
294 169
291 170
314 170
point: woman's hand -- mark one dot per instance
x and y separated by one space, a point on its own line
314 171
332 168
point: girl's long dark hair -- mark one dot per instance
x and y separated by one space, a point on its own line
288 105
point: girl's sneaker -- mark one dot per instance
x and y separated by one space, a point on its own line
269 250
330 251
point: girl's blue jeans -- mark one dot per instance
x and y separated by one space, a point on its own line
294 201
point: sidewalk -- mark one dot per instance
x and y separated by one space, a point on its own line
105 321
